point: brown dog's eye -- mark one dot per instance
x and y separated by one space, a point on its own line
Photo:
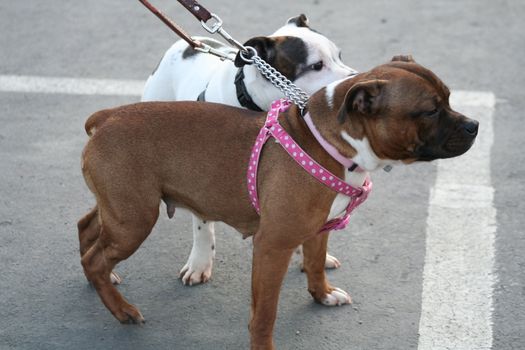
317 66
431 113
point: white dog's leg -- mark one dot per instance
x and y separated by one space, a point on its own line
331 261
198 268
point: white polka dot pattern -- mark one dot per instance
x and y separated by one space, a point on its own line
273 128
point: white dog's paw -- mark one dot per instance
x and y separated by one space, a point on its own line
196 271
336 297
331 262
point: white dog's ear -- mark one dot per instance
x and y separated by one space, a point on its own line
363 97
299 21
264 46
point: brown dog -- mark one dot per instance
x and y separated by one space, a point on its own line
195 155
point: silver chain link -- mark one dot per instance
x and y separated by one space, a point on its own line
290 90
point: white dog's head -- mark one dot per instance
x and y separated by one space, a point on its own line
303 55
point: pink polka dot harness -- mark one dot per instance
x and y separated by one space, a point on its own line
273 128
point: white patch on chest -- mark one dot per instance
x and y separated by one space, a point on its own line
356 179
365 157
367 160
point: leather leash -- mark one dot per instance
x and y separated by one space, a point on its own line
203 15
196 9
247 53
174 26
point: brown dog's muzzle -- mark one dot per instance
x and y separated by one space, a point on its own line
462 139
454 144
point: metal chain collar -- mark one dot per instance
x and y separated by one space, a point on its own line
289 89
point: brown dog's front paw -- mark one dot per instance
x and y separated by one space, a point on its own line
336 297
332 297
129 314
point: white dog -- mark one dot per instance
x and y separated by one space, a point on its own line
303 55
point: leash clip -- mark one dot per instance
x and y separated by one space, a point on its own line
222 55
215 26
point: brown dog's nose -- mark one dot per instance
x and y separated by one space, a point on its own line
471 127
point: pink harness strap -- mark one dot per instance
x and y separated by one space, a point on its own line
273 128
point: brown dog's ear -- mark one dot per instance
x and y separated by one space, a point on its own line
264 46
299 21
363 98
403 58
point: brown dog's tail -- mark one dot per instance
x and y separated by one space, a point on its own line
96 120
88 230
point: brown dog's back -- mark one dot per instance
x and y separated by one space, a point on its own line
153 145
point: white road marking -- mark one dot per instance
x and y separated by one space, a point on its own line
74 86
459 275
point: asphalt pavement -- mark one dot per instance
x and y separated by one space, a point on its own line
45 302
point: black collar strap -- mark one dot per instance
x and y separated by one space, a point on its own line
242 94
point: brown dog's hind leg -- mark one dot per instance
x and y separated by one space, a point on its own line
314 251
118 239
88 232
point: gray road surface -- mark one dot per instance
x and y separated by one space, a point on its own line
45 302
